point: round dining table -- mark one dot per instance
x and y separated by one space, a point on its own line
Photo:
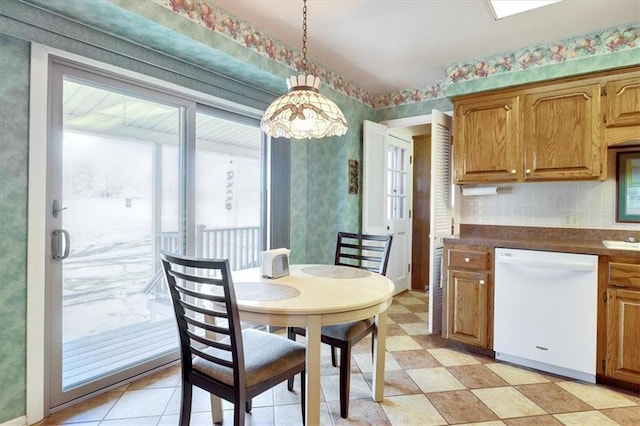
312 296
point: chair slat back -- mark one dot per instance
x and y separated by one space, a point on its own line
204 303
370 252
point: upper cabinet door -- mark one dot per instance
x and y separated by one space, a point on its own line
622 113
623 102
562 132
486 140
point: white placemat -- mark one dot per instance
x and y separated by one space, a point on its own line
264 291
335 271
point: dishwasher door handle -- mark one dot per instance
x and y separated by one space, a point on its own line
574 266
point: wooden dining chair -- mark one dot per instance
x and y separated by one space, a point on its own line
217 355
370 252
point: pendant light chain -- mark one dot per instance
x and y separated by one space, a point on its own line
304 37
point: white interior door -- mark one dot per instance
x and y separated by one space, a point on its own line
440 215
399 190
387 190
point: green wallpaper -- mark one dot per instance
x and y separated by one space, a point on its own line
14 130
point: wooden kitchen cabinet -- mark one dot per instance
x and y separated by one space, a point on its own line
486 138
469 295
621 303
622 108
545 132
562 132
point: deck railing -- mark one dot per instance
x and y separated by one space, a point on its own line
240 245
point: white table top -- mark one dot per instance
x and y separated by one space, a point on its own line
311 290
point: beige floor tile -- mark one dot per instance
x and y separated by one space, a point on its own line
364 362
449 357
397 309
361 412
507 402
492 423
515 375
585 418
424 316
414 329
94 409
138 421
288 415
401 343
436 379
411 410
283 396
413 301
404 318
169 377
396 383
358 388
141 403
598 397
258 416
197 419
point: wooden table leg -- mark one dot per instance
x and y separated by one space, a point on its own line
216 409
314 327
379 346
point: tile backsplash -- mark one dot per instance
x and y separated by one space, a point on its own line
581 204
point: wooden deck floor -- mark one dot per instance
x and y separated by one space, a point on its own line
94 356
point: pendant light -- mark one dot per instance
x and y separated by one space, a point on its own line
303 113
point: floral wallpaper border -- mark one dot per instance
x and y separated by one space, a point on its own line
600 43
213 17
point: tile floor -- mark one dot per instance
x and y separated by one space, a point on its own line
427 383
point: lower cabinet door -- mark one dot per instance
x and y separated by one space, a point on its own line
468 316
623 335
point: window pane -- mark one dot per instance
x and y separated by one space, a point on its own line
227 190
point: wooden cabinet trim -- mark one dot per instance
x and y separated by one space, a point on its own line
607 125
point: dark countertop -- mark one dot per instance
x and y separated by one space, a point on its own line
567 240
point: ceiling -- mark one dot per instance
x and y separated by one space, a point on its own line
388 45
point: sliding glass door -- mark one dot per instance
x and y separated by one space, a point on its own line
132 171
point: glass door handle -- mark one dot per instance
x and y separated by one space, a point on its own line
60 244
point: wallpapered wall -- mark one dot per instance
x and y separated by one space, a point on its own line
14 108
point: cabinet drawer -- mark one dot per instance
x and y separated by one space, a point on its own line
467 259
624 274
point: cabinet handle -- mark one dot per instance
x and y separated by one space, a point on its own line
481 282
507 108
527 171
467 260
513 171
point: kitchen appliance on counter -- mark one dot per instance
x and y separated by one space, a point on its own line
545 310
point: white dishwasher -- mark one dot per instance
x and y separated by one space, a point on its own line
545 308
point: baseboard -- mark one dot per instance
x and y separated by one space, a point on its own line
20 421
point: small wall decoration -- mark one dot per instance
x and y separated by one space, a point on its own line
628 185
353 176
